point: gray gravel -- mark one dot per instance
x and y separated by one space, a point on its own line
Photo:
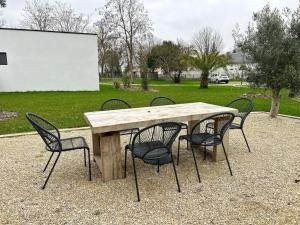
262 190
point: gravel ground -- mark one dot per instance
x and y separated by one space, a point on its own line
262 191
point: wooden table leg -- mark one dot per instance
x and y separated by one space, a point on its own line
109 159
96 144
218 153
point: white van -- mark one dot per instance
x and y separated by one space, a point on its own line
219 78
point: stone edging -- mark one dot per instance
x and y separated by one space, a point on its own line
86 128
34 133
281 115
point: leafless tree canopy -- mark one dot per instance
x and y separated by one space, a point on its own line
107 42
207 41
130 23
66 19
58 16
38 14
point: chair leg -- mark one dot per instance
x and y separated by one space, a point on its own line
205 153
246 140
84 154
89 160
178 151
135 177
125 169
48 162
130 137
227 159
198 174
51 171
158 166
174 168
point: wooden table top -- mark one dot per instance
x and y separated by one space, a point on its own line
115 120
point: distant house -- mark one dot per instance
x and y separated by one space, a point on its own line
48 61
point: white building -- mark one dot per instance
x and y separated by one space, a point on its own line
48 61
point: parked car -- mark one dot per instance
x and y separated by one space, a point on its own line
219 78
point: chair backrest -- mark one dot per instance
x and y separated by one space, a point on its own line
161 100
162 133
48 132
244 105
114 104
216 124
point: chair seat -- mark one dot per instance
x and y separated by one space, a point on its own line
159 155
205 139
70 144
126 132
232 126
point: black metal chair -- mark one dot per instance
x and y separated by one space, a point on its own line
162 100
204 135
115 104
153 145
245 106
55 144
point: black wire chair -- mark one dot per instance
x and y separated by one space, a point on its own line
245 106
153 145
115 104
55 144
162 100
204 135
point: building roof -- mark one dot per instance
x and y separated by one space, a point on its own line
238 57
49 31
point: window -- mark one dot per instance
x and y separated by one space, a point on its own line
3 58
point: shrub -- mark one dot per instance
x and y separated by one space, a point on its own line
117 83
126 81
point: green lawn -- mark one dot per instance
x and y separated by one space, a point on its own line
65 109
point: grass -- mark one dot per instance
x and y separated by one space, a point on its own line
65 109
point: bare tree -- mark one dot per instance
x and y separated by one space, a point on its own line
38 15
105 42
66 19
207 41
130 22
58 16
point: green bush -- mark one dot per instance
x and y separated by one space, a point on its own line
117 83
126 81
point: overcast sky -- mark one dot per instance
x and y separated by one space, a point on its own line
173 19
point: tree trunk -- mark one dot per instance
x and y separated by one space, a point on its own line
204 80
102 69
130 64
275 103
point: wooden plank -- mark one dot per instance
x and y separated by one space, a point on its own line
96 144
115 120
110 163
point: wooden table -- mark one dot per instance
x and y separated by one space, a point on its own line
105 126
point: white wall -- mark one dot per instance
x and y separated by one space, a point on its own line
48 61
